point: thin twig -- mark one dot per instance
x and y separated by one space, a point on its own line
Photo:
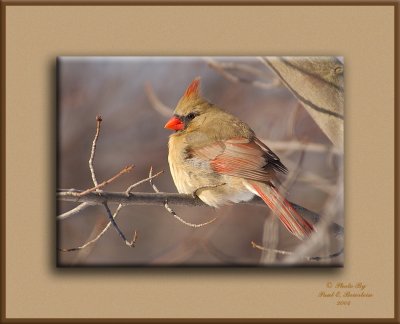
289 182
308 258
292 121
73 211
222 69
103 184
111 218
297 146
83 254
156 103
106 182
172 212
142 181
93 150
247 68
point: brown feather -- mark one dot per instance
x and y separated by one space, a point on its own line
239 157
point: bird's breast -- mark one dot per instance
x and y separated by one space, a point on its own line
194 175
181 173
189 173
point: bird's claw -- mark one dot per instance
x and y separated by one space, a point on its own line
195 193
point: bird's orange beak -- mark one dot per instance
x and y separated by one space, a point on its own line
175 124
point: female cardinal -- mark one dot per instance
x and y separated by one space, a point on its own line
217 157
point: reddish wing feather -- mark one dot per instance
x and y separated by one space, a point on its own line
236 157
289 217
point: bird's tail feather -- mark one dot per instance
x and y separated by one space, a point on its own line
289 217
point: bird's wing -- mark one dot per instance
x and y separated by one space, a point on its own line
240 157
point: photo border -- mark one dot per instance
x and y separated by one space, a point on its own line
5 4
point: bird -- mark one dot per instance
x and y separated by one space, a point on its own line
215 156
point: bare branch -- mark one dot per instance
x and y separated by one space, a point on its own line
223 68
113 216
96 188
134 198
171 211
98 236
158 199
111 222
308 258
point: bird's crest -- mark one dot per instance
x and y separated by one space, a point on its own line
190 98
193 89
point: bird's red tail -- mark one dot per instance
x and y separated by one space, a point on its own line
289 217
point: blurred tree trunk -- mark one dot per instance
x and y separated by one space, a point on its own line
318 84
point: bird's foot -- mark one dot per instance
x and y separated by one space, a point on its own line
197 191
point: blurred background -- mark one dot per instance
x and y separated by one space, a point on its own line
132 94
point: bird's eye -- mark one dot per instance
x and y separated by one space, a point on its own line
191 116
